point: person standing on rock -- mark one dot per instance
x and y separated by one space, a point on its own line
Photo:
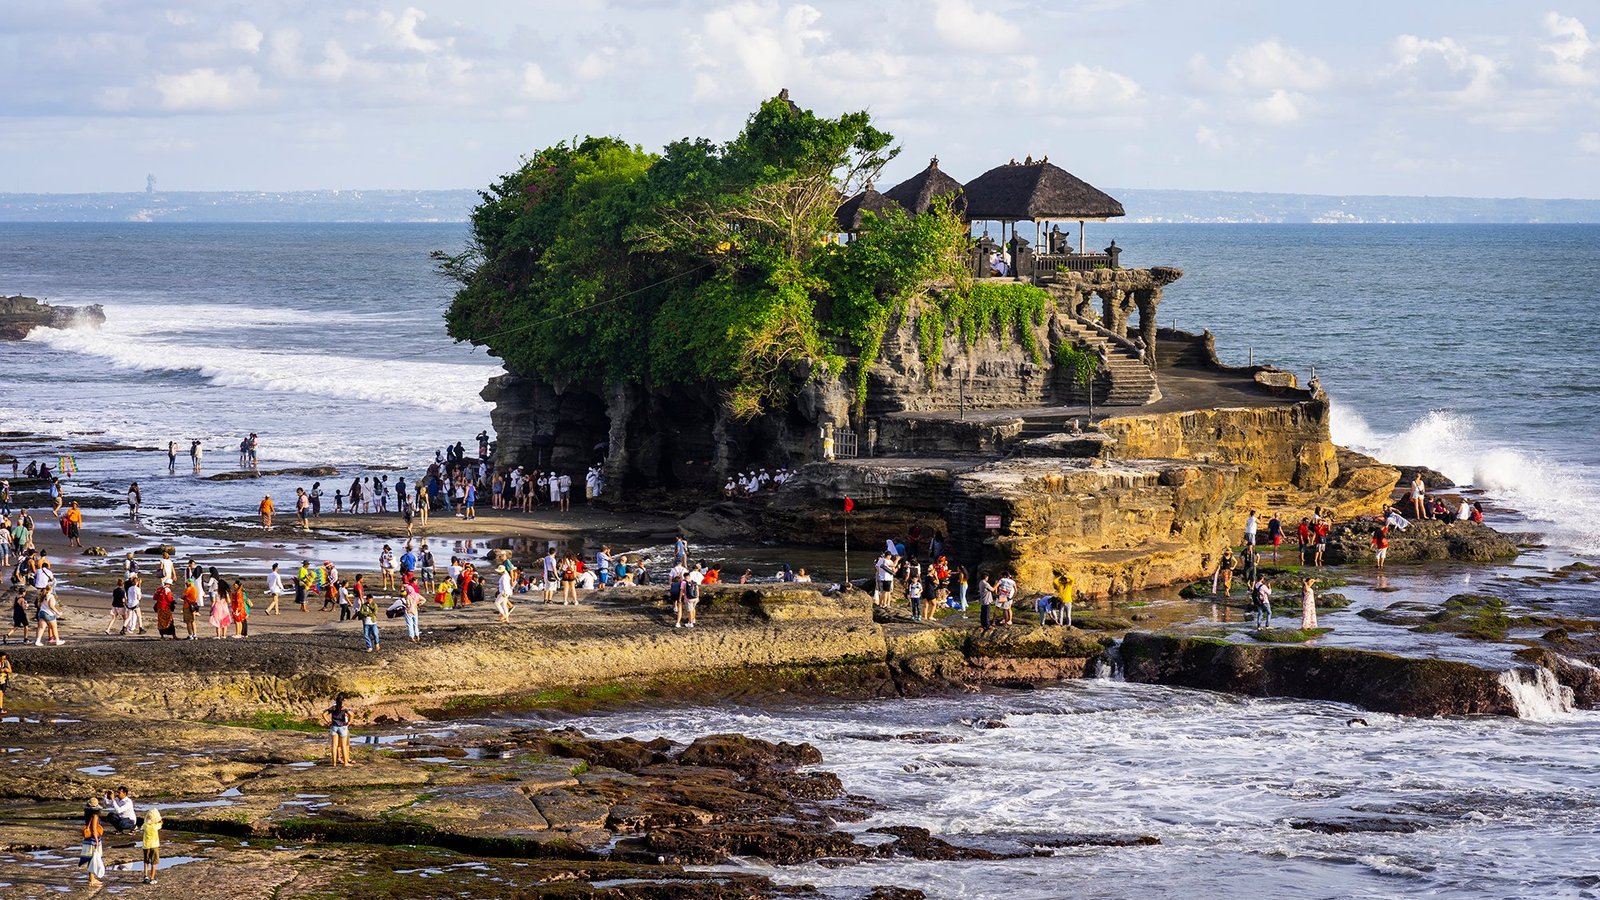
74 519
1005 594
1222 578
1380 546
914 594
196 451
92 857
413 608
5 679
386 568
368 612
1308 604
150 843
191 606
1252 562
502 596
1261 599
274 590
1323 527
172 457
1419 497
265 509
1275 534
135 500
134 598
302 508
883 579
338 732
165 604
239 608
985 600
549 582
119 609
221 609
1250 529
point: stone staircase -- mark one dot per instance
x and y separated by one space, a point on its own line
1125 380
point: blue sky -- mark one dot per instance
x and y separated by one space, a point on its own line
1446 98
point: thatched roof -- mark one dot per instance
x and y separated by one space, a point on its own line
849 213
917 193
1036 190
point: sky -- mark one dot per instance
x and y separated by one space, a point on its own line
1435 97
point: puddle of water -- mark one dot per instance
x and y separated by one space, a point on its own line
197 804
165 863
97 771
231 792
302 765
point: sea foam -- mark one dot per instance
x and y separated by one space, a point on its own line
1563 499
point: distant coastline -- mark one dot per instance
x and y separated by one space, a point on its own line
445 206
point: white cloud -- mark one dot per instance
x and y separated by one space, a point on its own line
208 89
538 87
596 64
1094 88
1443 66
1208 137
402 30
1589 142
1572 57
1274 66
245 36
768 42
1278 108
964 26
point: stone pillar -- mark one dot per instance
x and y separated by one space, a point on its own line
1108 307
620 409
1149 309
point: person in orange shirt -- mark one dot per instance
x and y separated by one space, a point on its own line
191 606
74 517
266 511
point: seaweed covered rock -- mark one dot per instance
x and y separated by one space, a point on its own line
1378 681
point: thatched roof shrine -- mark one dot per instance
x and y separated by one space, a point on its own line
917 193
1036 190
849 214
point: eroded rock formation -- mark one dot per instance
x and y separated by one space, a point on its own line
20 315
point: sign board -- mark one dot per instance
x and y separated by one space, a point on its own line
991 522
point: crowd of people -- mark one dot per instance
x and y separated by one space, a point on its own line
748 484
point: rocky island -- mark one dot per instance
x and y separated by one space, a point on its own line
21 315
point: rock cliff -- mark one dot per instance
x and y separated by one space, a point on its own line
20 315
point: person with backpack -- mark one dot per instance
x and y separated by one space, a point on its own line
1261 600
691 598
569 581
191 605
368 611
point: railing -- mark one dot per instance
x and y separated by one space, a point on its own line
844 444
1046 265
1040 268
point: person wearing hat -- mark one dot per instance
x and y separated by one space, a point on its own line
91 855
150 842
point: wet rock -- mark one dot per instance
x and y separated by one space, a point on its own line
1434 480
919 843
1431 539
624 754
20 315
747 755
304 472
1377 681
1358 826
884 892
775 843
1102 840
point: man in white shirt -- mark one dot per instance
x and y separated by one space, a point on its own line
566 492
135 596
883 579
550 575
122 816
502 597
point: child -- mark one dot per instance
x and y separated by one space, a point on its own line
151 844
338 501
342 593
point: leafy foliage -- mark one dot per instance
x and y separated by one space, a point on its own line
713 263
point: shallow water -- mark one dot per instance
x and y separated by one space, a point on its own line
1469 807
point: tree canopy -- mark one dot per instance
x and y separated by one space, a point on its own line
706 262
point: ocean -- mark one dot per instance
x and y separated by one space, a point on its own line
1461 347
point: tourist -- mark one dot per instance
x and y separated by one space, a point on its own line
691 598
1261 602
1303 534
680 551
1251 560
1222 578
274 590
239 608
191 606
302 508
150 843
1042 607
469 502
168 568
1322 529
1275 534
800 577
1380 546
502 596
985 600
1005 593
368 611
315 496
412 609
565 484
119 609
213 588
386 568
91 855
172 457
883 578
221 609
550 567
1477 512
1308 604
1419 496
1463 512
1250 529
5 679
196 452
73 523
135 500
134 598
429 569
569 581
338 500
58 494
19 613
1393 519
265 509
914 594
121 814
165 604
338 732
